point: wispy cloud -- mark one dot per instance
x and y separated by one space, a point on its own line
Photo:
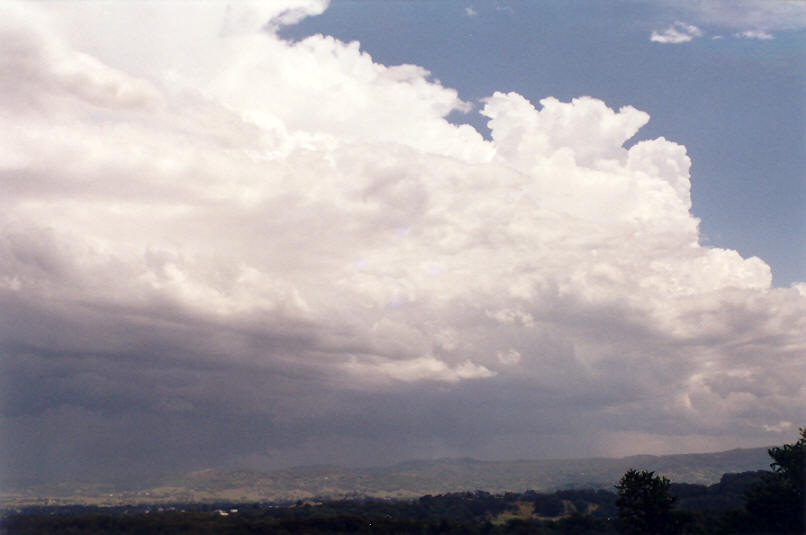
470 12
503 6
755 34
679 32
770 15
781 427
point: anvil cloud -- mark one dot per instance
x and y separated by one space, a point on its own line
218 246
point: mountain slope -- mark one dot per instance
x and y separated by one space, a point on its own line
405 480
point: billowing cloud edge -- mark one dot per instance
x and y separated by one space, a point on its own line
179 220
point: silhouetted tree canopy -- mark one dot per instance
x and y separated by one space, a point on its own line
644 503
776 504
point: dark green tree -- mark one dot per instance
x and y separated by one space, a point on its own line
645 505
776 504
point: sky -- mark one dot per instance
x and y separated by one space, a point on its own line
283 233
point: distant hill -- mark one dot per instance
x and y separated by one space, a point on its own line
402 480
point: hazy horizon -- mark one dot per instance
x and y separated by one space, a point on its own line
142 481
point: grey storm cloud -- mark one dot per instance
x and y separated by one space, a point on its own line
257 251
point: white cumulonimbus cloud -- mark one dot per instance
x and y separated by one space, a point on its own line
205 226
679 32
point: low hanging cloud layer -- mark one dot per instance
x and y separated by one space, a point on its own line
220 247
